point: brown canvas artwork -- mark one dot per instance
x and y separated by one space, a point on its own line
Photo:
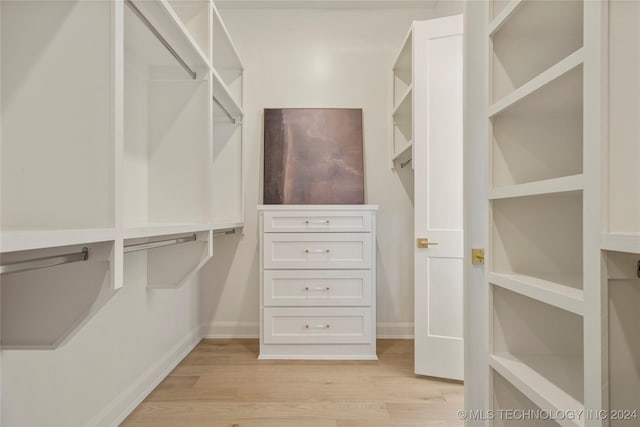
313 156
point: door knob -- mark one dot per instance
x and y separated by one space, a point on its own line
423 242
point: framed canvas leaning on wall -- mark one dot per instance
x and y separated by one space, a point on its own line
313 156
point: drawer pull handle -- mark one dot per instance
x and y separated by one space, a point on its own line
318 288
324 221
317 251
316 326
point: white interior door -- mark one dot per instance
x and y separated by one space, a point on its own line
438 187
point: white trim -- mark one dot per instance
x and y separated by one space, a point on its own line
395 330
118 409
226 330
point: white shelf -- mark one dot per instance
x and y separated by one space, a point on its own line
507 12
153 230
537 83
546 291
223 95
536 387
547 186
225 55
621 242
226 225
168 23
22 240
403 153
404 105
403 60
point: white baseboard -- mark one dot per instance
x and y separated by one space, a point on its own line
395 330
116 411
231 330
392 330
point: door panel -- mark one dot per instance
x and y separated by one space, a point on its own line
438 161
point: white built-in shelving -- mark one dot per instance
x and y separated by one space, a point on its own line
564 115
112 139
543 271
402 101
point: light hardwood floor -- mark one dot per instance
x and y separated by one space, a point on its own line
221 383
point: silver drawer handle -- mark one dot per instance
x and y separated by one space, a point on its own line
317 251
316 326
324 221
318 288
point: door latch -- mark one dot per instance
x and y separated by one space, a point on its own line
477 256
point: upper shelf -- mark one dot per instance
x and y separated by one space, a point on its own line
405 104
224 99
528 37
166 22
568 298
566 82
507 12
547 186
225 55
403 61
621 242
152 230
22 240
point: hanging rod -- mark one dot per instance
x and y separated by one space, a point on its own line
231 118
162 40
50 261
225 232
402 165
158 244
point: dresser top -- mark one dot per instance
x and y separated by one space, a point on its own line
317 207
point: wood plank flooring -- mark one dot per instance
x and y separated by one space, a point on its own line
222 384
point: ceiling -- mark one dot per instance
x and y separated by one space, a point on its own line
324 4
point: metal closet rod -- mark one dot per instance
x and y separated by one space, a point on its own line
231 118
162 40
44 262
158 244
404 164
225 232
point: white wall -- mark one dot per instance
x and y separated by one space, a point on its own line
109 364
319 58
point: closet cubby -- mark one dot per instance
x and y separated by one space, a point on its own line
540 237
166 134
540 137
57 152
529 38
43 308
624 339
226 61
194 15
511 407
538 348
170 266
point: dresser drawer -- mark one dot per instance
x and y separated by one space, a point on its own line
314 222
317 250
317 287
317 325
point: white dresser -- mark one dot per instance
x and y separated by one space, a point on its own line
317 281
